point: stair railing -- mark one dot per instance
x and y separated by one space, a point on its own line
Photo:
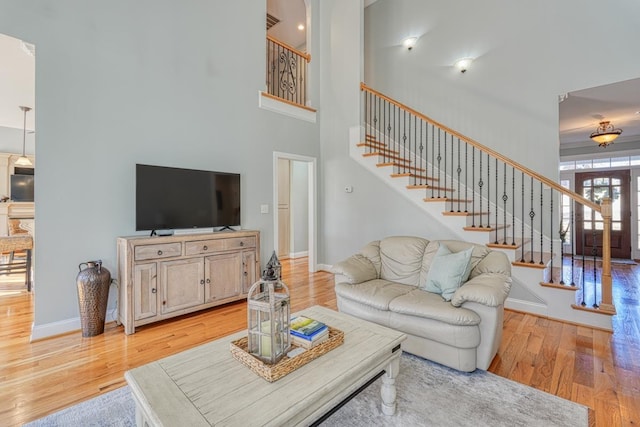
286 72
516 205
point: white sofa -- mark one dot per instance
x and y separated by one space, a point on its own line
386 283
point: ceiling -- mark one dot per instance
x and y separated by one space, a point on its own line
17 83
291 13
581 111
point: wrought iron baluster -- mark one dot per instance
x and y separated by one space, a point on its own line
433 158
513 206
505 198
466 172
573 236
541 226
404 141
583 303
522 216
532 215
489 191
459 170
439 160
473 190
551 233
480 184
422 154
594 251
496 191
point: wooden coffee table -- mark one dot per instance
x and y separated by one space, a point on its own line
206 386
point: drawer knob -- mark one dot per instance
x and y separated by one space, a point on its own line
202 282
153 290
208 281
159 252
205 247
246 274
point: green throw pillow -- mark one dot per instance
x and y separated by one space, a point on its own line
448 271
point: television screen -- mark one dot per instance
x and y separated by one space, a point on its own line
22 188
173 198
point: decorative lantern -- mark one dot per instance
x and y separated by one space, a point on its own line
268 316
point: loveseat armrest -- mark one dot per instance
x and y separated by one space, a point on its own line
355 269
490 289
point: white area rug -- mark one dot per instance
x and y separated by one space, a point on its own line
428 395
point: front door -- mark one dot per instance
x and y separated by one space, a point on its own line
589 224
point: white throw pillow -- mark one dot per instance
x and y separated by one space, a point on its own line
448 271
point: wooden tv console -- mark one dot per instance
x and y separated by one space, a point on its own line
167 276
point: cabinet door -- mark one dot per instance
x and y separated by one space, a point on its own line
223 276
182 284
145 290
248 270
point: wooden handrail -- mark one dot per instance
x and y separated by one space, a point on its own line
575 196
306 56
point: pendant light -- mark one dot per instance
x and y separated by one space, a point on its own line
605 134
24 160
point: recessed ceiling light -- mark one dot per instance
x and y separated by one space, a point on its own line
301 27
463 64
409 42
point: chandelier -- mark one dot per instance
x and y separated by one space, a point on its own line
605 134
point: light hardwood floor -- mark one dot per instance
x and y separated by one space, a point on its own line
595 368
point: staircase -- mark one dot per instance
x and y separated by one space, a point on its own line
483 197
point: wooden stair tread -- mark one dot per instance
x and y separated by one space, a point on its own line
413 175
538 261
487 227
383 153
382 165
374 144
445 199
428 187
456 213
501 245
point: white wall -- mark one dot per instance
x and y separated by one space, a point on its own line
527 54
157 82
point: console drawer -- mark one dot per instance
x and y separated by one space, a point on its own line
216 245
240 243
204 246
165 250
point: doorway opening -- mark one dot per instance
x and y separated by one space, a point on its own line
294 201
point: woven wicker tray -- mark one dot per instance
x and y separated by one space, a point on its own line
287 364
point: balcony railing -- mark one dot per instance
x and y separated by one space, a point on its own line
286 72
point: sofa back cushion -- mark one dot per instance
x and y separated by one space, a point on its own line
401 259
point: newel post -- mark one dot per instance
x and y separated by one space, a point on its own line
607 295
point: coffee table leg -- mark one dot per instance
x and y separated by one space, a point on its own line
388 390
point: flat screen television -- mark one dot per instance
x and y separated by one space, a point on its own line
172 198
22 188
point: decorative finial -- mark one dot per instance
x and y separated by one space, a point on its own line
272 269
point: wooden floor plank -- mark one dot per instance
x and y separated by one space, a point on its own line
591 367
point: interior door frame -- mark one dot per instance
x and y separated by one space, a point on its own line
313 194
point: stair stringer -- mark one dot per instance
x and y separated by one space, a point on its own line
548 302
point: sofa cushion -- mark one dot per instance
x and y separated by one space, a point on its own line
376 293
401 259
356 269
478 254
448 272
431 306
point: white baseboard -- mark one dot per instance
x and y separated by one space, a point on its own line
294 255
324 267
527 306
48 330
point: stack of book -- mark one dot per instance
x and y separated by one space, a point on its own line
308 333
